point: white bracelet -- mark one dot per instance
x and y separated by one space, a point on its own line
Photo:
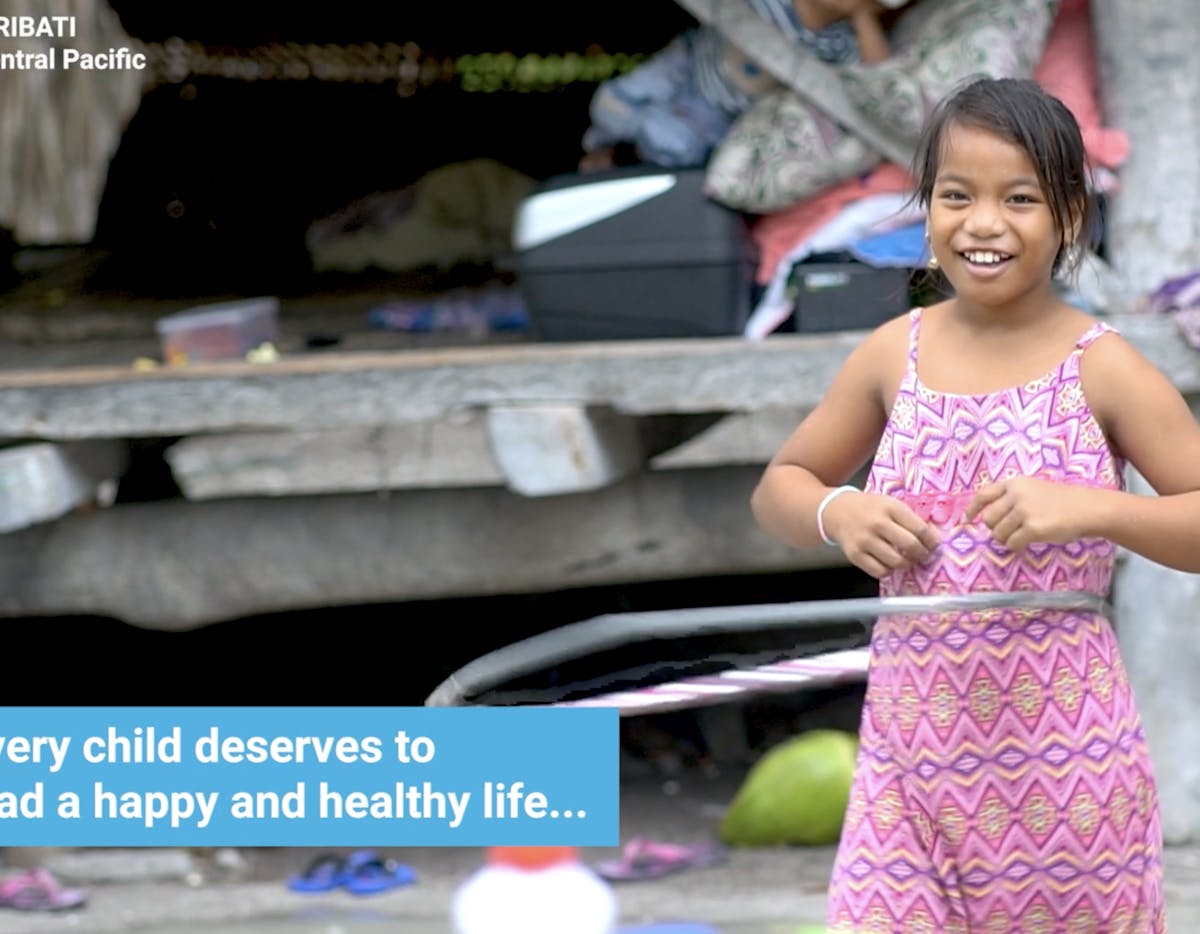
829 498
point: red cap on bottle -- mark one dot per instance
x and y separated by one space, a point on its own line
532 858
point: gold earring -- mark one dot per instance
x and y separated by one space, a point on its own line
933 262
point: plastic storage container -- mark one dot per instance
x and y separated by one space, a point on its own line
632 253
225 331
846 296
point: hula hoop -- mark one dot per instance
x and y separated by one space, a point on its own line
612 630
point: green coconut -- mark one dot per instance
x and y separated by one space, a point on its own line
796 794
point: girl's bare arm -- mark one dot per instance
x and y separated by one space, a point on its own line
1148 422
831 444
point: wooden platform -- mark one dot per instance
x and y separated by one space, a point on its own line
390 469
51 398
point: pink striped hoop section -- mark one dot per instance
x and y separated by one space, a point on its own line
795 674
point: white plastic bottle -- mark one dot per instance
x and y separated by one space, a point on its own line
534 890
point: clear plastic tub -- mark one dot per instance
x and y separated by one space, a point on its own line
225 331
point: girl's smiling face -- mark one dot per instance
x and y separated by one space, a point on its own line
990 224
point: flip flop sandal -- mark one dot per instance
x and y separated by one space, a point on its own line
379 875
329 871
650 859
38 890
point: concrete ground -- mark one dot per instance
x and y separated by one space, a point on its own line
756 891
754 886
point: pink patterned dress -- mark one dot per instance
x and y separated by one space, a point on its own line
1003 782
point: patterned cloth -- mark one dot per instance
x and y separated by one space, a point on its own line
1003 781
679 104
827 124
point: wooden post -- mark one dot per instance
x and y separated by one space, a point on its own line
1151 79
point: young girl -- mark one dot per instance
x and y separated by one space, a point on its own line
1003 781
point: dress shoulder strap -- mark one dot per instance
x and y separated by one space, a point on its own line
914 334
1088 337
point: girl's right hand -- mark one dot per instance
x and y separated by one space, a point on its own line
878 533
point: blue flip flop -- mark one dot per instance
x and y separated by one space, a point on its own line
378 875
329 871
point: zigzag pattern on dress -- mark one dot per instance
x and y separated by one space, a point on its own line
1003 782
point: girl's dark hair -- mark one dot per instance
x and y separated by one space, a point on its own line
1021 112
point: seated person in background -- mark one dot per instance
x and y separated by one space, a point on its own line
673 109
863 17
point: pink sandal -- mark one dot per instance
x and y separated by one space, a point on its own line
38 890
650 859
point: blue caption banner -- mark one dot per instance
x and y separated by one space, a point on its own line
309 776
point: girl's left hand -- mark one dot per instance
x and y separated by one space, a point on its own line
1024 510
